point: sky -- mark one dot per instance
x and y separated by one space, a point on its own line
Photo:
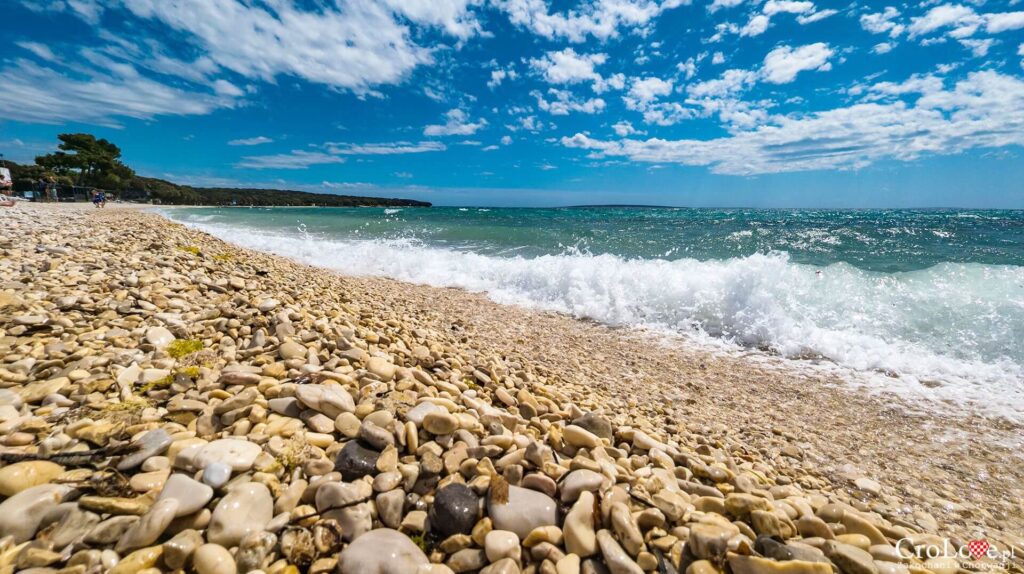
785 103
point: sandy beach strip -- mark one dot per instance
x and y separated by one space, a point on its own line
97 309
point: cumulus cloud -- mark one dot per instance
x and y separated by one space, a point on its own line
883 22
457 123
717 5
984 110
756 26
567 67
996 23
782 64
564 102
601 19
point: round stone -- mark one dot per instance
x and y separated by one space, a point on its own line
524 511
246 508
23 475
213 559
440 422
355 461
159 337
382 551
454 511
239 454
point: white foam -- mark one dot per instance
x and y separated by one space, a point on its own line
947 333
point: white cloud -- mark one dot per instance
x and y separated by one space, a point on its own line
756 26
883 22
962 18
567 67
624 128
984 110
389 148
782 64
719 4
996 23
805 19
601 19
718 58
85 93
258 140
688 68
500 75
334 152
506 140
296 159
41 51
729 83
451 15
457 123
643 95
978 48
564 103
645 91
883 47
772 7
354 45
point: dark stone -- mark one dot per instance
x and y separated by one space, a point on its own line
454 511
356 461
772 548
596 424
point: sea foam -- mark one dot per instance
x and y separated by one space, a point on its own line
949 333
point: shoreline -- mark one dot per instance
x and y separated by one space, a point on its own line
812 431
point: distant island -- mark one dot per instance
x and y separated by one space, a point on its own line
85 163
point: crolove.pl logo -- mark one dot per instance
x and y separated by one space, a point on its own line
969 556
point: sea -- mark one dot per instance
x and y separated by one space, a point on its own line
925 304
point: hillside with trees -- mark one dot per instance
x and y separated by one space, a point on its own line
84 162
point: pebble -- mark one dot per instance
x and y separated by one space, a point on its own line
440 422
237 453
580 538
159 337
356 461
21 514
525 510
578 481
216 474
615 557
20 476
500 544
148 528
191 496
454 511
382 551
246 508
213 559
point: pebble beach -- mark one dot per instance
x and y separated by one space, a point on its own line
173 403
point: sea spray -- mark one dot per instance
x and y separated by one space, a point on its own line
947 331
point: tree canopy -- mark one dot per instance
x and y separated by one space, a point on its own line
88 161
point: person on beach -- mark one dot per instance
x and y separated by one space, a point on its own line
99 198
6 201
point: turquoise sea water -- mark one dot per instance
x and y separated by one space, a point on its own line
929 303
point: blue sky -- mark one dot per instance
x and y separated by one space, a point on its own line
536 102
